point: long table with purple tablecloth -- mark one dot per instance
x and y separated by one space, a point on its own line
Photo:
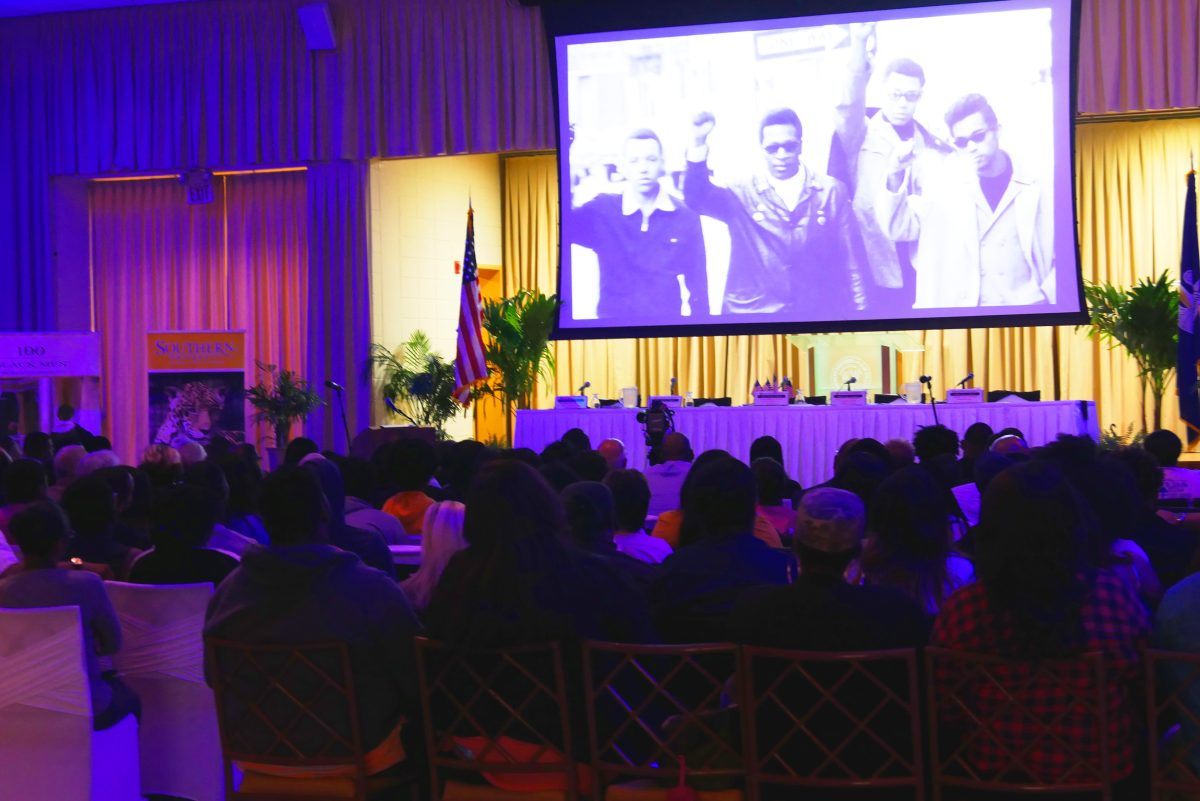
810 435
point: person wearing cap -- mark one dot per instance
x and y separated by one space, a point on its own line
819 610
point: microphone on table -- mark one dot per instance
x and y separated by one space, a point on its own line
329 382
584 386
853 380
925 379
962 384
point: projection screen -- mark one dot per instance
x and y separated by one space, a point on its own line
909 168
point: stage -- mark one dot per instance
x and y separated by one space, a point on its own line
810 434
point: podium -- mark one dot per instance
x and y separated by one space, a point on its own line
869 358
369 439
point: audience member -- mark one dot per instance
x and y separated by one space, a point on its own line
861 472
10 447
38 446
518 580
666 479
557 452
24 483
184 517
577 440
558 475
120 481
1177 628
1169 546
819 610
243 476
191 453
467 458
589 466
900 453
442 539
669 525
1178 482
163 465
367 545
40 531
66 464
211 479
772 486
1011 443
1035 599
300 589
766 447
720 558
975 442
360 480
909 548
95 461
92 512
135 517
1111 497
412 464
613 451
935 440
67 431
98 443
591 517
530 457
297 449
631 500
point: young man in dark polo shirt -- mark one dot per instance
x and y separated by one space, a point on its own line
645 240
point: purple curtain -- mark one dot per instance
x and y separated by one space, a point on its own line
339 297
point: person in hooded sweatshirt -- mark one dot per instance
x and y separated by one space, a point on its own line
301 589
368 545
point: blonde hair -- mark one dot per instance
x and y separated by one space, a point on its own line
442 537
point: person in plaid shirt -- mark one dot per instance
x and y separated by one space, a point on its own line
1037 598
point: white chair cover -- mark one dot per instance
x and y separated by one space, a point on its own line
47 746
162 659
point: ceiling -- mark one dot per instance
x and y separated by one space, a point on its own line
24 8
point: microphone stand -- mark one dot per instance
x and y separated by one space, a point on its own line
345 422
933 402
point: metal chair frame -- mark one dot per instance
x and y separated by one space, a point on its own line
768 766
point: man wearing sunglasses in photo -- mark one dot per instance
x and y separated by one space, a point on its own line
870 136
983 227
789 227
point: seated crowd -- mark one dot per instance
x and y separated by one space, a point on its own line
983 545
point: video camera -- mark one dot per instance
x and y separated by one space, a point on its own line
657 421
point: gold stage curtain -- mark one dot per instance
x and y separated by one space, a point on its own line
1130 179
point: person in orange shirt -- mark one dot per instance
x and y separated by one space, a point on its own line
412 465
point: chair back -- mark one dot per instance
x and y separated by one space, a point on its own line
833 720
1173 717
162 660
501 714
289 706
650 707
1018 725
45 704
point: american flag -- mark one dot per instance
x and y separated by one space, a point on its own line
470 365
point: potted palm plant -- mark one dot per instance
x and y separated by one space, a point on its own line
1144 320
417 383
280 398
518 348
